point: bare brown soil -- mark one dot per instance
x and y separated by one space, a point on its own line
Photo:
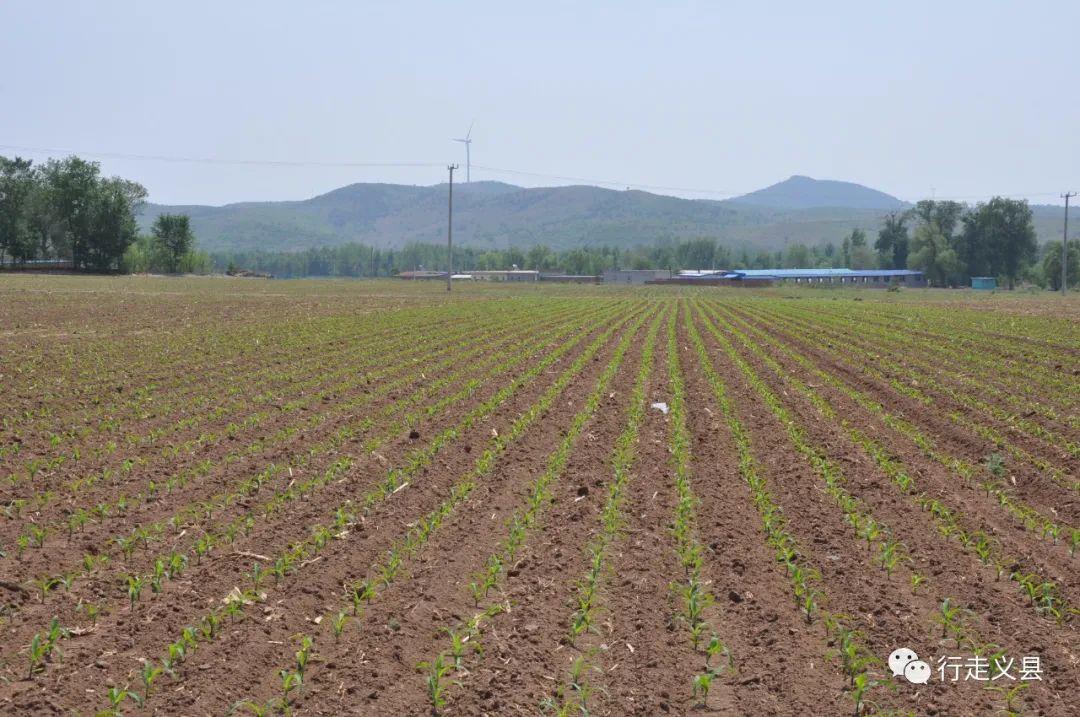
384 374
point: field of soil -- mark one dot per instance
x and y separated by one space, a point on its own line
327 498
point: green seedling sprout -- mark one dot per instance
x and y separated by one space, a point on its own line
859 687
44 584
37 652
251 706
437 671
339 622
714 649
37 535
303 654
702 683
150 673
135 586
1011 694
289 681
257 574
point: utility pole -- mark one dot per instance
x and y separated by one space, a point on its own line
450 230
1065 243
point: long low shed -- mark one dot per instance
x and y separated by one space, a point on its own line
855 277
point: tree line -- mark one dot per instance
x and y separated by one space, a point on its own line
65 210
949 241
364 260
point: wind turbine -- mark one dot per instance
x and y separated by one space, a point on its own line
467 141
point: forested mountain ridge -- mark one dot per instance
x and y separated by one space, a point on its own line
500 216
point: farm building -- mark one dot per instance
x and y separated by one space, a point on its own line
767 277
421 274
506 275
571 278
984 283
635 276
714 278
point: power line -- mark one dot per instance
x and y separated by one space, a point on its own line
720 193
961 197
215 160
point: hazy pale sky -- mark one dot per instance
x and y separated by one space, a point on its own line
966 99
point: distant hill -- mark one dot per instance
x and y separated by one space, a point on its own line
800 192
500 215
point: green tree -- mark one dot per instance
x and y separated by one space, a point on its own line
696 254
932 245
17 188
945 214
974 248
797 256
77 214
110 226
892 241
998 239
66 210
861 256
1051 264
932 253
1011 236
173 234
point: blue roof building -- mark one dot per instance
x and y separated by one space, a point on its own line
868 277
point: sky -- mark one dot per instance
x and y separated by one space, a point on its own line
948 99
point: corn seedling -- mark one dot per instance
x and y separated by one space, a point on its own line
43 585
234 609
127 546
303 654
890 555
714 649
150 673
177 564
38 650
37 535
209 625
853 656
290 681
859 687
702 683
135 586
339 622
437 671
458 640
871 531
257 574
256 709
950 617
1011 694
92 611
478 592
